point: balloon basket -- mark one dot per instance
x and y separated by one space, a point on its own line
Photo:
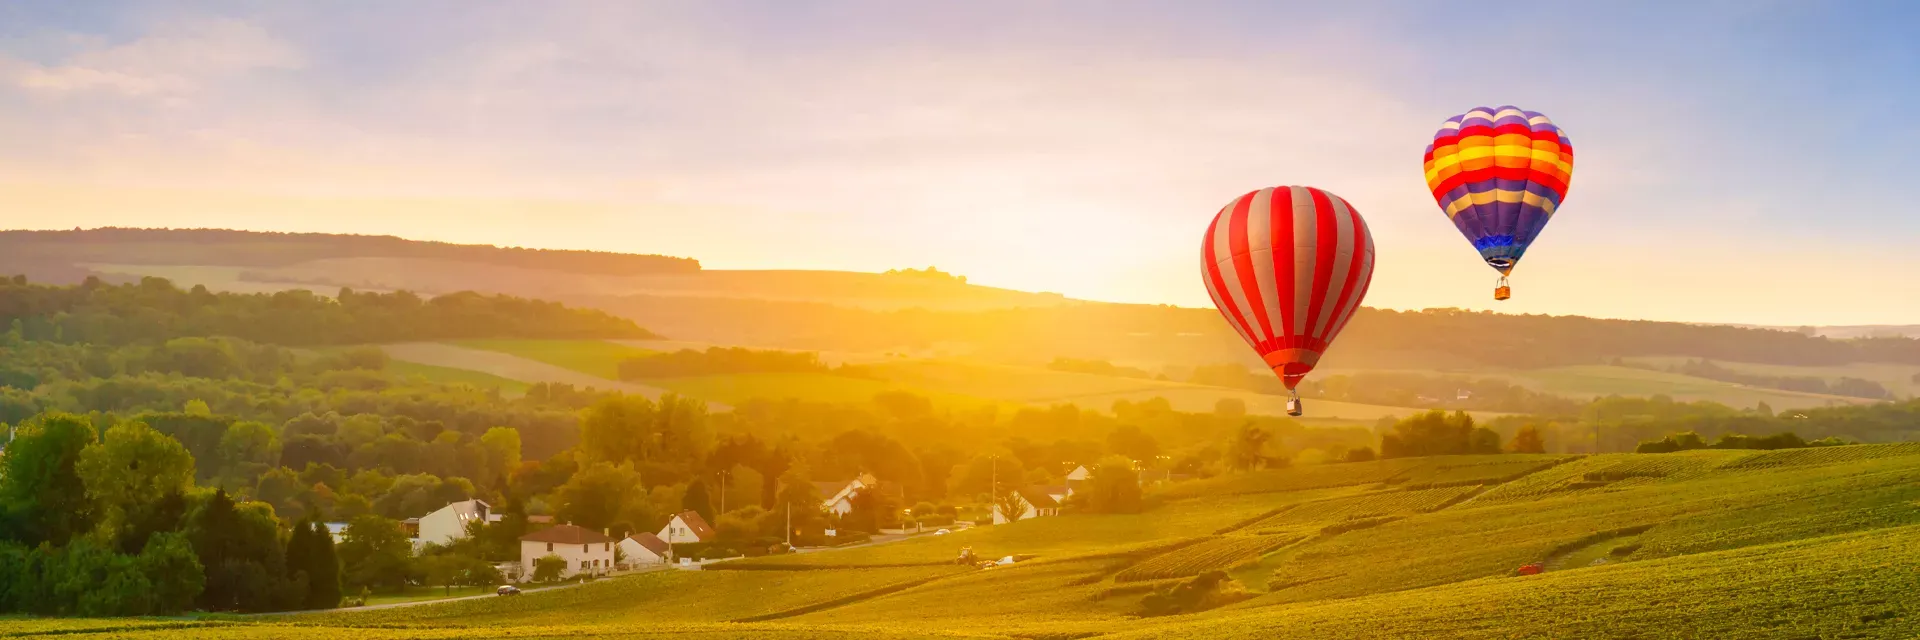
1502 293
1293 406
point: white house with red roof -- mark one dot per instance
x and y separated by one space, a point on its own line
686 526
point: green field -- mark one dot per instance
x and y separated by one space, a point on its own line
592 357
1897 378
1811 543
453 376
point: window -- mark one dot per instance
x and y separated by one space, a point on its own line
585 548
606 546
549 547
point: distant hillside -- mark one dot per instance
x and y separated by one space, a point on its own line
1446 339
24 251
252 262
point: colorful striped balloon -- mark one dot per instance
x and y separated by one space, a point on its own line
1287 267
1499 174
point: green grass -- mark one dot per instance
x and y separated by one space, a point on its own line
1587 382
1897 378
592 357
453 376
815 387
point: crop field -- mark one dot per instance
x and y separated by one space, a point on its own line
1824 456
512 367
1612 471
1051 537
1452 471
1846 586
666 596
1218 553
1296 478
1313 515
597 358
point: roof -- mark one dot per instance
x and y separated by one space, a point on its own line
651 542
828 490
696 523
1054 490
466 509
566 534
1038 497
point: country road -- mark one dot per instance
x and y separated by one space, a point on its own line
395 605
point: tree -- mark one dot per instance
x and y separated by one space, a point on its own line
872 511
41 491
1528 440
1433 433
1114 487
1233 409
131 470
598 495
310 553
1359 454
1009 505
1248 449
549 568
798 498
1128 440
1483 440
502 448
696 500
173 572
375 552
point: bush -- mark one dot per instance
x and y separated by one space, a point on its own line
1359 454
1209 590
548 568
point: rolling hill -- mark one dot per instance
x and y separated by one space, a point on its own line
1810 543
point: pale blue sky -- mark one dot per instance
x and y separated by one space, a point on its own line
1736 161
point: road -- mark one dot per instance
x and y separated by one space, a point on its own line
395 605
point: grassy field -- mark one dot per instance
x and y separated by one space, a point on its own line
1897 378
456 376
592 357
1709 544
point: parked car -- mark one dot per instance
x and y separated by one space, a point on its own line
941 532
507 590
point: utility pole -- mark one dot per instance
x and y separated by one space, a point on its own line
789 525
993 498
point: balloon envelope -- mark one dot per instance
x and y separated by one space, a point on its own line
1287 267
1499 174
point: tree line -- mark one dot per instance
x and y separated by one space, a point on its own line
154 310
266 248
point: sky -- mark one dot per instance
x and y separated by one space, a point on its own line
1739 161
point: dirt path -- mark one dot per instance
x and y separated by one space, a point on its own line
514 367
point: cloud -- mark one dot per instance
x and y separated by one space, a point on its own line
171 62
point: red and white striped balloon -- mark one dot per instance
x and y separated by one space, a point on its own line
1287 267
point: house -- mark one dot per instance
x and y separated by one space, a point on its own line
338 530
686 526
585 550
837 497
1034 502
1077 476
643 548
1059 493
449 523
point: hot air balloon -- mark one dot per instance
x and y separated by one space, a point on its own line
1287 267
1499 174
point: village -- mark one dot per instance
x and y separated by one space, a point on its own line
558 551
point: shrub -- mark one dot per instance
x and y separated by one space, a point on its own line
1206 591
548 568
